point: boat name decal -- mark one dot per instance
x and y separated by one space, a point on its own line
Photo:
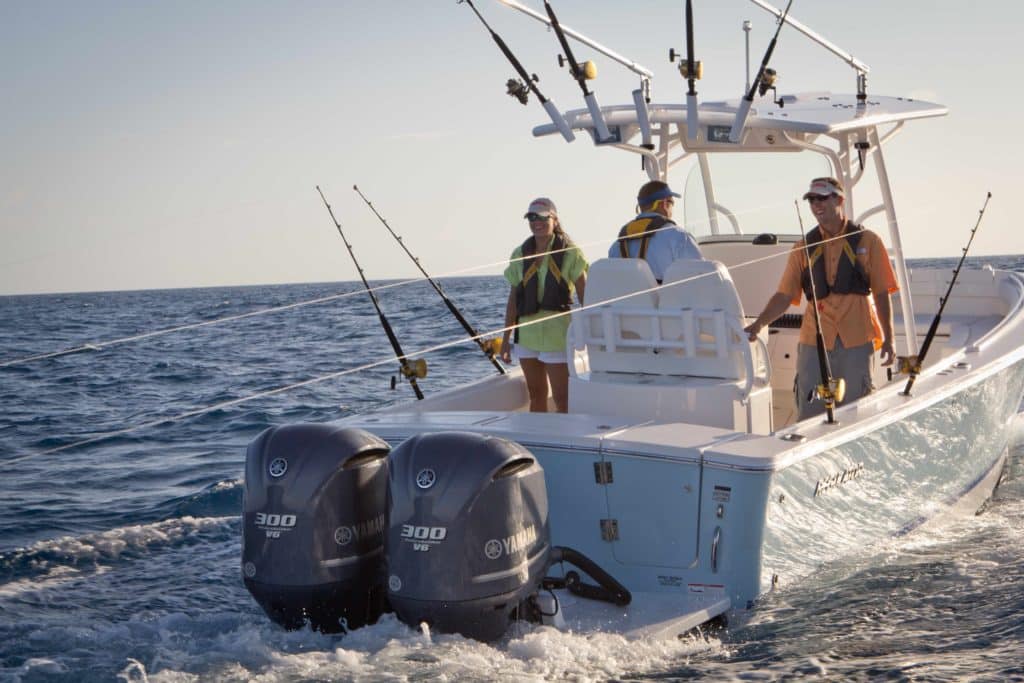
344 535
510 545
838 479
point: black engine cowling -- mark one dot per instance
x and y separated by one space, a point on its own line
467 540
313 525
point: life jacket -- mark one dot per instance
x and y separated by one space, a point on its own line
641 228
556 288
850 275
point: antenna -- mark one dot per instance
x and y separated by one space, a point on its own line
746 39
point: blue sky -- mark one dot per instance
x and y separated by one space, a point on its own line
152 145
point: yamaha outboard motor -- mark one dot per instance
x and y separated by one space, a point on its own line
467 539
313 525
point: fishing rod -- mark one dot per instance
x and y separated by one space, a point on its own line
521 89
764 80
830 391
692 71
418 367
581 74
914 363
491 346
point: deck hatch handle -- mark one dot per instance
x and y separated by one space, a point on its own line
609 530
603 473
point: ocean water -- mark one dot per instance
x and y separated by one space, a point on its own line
121 494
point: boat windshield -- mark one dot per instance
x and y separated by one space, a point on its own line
752 193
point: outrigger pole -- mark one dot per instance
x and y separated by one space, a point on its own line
487 346
410 371
518 90
916 362
741 114
581 74
830 391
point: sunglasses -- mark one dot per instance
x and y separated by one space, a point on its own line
536 217
815 198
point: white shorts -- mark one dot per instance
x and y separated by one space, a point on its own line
543 356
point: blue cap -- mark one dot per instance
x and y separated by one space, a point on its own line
653 191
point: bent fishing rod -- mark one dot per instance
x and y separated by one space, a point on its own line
581 74
487 346
916 363
528 83
748 99
410 371
830 390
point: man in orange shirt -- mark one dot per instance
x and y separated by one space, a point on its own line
853 280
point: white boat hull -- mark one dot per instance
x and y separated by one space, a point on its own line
698 520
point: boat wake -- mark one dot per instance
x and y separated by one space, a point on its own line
47 564
390 650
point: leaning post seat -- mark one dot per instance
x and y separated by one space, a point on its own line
624 292
676 352
704 294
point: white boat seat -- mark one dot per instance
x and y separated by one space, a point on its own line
611 279
679 355
618 326
710 326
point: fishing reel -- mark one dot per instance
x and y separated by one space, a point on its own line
684 66
587 70
416 368
519 89
492 347
833 392
908 365
768 79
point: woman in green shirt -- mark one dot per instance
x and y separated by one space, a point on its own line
543 272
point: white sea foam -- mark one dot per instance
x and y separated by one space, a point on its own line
391 651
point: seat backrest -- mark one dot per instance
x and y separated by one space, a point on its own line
710 314
693 283
610 278
607 330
